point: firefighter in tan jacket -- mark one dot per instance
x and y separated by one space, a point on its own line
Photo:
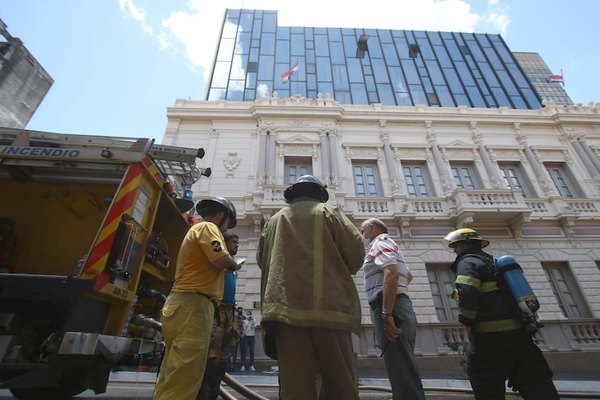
308 253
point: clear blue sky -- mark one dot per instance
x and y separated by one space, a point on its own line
118 64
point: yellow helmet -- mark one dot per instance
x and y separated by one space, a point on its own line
463 234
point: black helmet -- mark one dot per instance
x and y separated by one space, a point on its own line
214 205
307 185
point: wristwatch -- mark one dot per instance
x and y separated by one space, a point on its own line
385 315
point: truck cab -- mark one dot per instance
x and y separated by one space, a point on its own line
90 228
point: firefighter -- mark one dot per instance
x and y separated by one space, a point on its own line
188 313
308 253
499 348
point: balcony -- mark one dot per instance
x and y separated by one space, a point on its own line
489 206
446 338
558 207
462 207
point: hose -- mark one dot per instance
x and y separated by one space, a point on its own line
242 389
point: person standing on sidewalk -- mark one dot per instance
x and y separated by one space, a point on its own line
238 343
308 252
249 341
188 314
386 283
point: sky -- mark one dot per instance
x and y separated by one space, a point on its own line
118 64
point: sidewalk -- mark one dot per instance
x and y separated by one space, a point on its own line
574 384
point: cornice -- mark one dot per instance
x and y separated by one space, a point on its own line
383 116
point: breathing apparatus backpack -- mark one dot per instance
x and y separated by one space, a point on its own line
515 285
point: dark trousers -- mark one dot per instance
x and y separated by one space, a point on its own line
495 357
248 347
211 383
400 362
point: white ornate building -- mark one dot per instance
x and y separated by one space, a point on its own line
527 180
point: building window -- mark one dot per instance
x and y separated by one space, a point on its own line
514 178
366 179
295 167
463 176
417 180
433 99
441 281
413 50
562 179
567 293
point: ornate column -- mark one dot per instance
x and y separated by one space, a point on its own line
262 166
333 151
438 158
209 160
271 155
538 169
592 156
323 136
495 181
389 159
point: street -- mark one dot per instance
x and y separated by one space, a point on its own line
143 391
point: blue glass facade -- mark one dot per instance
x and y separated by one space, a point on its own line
364 66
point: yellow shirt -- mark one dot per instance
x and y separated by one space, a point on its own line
202 244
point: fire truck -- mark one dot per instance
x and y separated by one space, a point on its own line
90 228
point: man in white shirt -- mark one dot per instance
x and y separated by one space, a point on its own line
386 283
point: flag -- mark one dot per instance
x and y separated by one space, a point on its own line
287 74
556 78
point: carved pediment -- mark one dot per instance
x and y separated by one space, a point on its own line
458 144
298 140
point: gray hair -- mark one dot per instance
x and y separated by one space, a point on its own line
376 222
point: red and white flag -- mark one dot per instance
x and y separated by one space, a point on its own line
287 74
556 78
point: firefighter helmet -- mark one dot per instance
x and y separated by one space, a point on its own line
213 205
307 185
464 234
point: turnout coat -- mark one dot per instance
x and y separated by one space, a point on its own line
308 252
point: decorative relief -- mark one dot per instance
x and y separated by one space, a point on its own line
546 185
231 162
428 155
545 155
459 153
496 182
299 149
429 134
299 122
505 154
363 152
405 153
476 156
446 183
477 137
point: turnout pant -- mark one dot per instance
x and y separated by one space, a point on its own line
495 357
303 353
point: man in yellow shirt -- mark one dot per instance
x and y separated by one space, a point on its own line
188 313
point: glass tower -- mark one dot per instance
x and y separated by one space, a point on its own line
547 85
256 57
